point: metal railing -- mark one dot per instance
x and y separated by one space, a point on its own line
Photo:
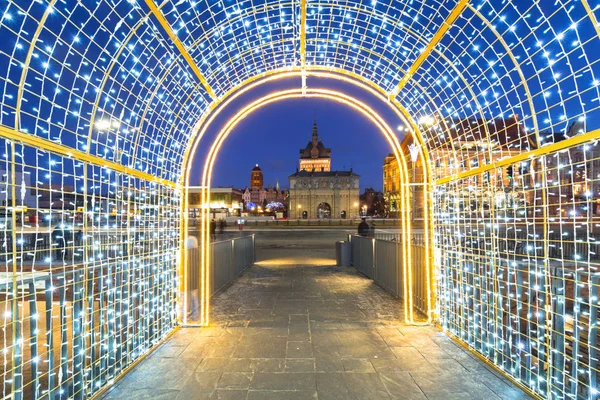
77 322
228 259
379 260
382 261
389 236
419 274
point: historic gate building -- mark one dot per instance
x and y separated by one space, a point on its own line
318 192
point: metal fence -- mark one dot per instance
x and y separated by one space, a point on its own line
228 259
518 268
389 236
382 261
419 273
84 300
249 223
379 260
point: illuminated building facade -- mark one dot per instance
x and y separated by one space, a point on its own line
467 140
316 191
224 202
257 193
391 185
323 195
256 178
315 157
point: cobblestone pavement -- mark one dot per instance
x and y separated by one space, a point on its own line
296 327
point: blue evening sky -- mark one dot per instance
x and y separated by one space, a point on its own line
273 136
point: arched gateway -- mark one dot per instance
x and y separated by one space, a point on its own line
324 211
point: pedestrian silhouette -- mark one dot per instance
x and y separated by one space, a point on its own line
213 229
363 228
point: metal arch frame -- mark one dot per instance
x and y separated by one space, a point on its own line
184 53
591 16
44 144
356 80
448 21
102 161
155 10
282 95
303 11
437 37
538 143
106 77
405 113
16 133
302 37
345 76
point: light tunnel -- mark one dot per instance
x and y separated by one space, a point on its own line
101 104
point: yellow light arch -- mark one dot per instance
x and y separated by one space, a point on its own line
327 73
308 93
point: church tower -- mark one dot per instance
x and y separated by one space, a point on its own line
315 157
256 178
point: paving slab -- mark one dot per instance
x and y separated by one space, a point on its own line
295 327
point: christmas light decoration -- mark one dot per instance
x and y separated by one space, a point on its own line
275 205
103 102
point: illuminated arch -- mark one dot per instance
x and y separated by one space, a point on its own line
290 94
107 99
208 118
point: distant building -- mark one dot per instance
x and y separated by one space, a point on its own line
318 192
315 157
572 176
224 202
333 194
258 194
391 185
256 178
467 137
372 203
25 193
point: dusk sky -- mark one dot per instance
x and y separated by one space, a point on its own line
273 136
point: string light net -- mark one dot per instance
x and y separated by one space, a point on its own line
99 102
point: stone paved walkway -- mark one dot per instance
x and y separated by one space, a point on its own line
310 331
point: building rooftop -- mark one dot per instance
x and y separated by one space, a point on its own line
321 173
322 151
